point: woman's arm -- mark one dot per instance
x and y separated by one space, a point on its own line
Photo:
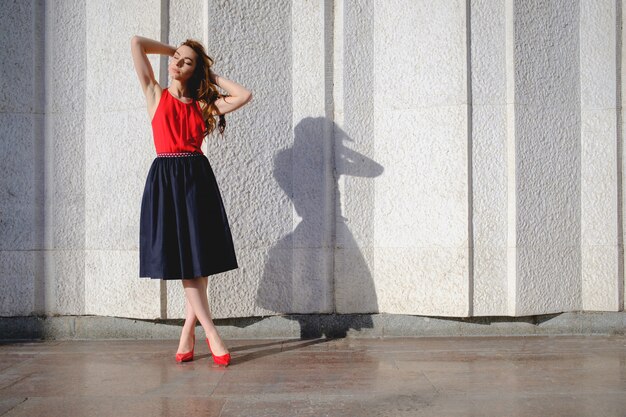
238 94
140 47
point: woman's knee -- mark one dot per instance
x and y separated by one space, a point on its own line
190 283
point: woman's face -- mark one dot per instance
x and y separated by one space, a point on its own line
182 64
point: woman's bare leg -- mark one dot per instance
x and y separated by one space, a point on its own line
188 332
196 293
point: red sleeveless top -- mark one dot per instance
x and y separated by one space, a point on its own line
177 126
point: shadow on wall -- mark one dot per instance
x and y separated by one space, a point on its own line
299 269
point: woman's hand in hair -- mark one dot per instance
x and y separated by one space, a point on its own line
237 95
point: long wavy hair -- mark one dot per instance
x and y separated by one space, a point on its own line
202 89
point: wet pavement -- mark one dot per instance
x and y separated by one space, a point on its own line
469 376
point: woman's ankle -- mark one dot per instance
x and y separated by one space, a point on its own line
187 332
216 339
212 333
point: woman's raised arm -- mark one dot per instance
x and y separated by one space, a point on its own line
140 47
238 94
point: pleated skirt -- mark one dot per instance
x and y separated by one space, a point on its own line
184 231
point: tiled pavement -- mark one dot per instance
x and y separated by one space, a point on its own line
469 376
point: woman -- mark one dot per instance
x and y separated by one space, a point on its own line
184 231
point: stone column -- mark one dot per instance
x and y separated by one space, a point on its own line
544 165
65 158
601 139
118 154
22 174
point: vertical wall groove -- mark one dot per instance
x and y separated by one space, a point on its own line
49 202
470 187
163 80
164 37
43 287
619 150
511 258
329 145
337 117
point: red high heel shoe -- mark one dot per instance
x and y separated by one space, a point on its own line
219 360
187 356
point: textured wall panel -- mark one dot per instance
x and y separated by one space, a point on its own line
420 201
489 157
65 73
112 289
402 136
251 44
19 43
118 151
354 166
21 170
547 152
18 270
19 174
186 19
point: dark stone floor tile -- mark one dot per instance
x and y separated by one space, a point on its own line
566 405
307 360
323 381
367 405
7 404
102 374
8 360
262 408
117 407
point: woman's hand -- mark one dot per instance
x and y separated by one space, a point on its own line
238 95
212 77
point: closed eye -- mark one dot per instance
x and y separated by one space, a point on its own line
186 62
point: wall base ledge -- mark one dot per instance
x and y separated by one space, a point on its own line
315 326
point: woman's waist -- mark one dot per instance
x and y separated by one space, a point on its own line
177 146
177 154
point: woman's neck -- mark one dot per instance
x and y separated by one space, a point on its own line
179 90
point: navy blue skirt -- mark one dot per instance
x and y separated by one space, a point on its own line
184 231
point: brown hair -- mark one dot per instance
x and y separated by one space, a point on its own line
202 89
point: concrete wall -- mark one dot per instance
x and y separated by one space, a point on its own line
64 164
454 158
21 176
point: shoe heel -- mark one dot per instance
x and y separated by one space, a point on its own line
219 360
187 356
184 357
